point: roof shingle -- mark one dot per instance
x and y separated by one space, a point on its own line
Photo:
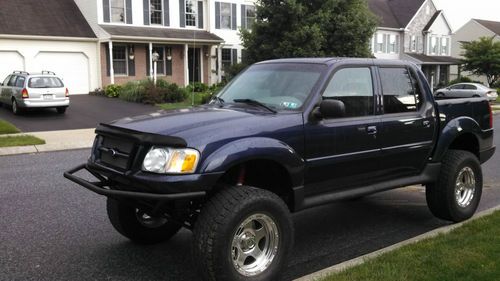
395 13
494 26
43 18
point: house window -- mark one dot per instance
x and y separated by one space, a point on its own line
434 45
160 64
156 11
225 15
117 11
444 46
191 13
227 59
379 43
120 63
393 44
249 17
413 43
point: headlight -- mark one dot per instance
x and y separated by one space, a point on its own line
164 160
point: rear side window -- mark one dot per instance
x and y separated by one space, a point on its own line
20 82
12 81
399 91
354 87
470 87
6 81
45 82
457 87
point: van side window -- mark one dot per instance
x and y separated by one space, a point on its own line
354 87
20 82
6 81
398 89
12 81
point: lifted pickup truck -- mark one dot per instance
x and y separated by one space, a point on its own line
283 136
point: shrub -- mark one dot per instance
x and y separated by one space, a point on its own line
163 92
112 90
197 87
462 79
133 91
98 92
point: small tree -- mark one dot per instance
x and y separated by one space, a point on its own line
482 57
309 28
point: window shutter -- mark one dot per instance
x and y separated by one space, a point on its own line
233 16
182 13
128 11
234 57
243 16
148 66
105 11
147 15
200 14
384 44
217 15
108 61
131 63
166 12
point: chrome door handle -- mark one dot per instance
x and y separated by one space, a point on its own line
371 130
426 123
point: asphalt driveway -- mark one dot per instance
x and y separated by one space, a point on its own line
84 112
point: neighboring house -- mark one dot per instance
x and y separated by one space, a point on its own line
414 30
471 31
195 40
48 35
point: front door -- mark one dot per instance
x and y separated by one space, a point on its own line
344 152
194 65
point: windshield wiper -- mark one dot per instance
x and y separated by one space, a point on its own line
255 102
218 99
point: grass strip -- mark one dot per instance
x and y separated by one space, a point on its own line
20 141
181 105
471 252
7 128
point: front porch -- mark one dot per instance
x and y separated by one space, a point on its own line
435 68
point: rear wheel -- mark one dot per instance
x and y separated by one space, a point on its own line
15 107
61 110
440 95
242 234
456 195
137 225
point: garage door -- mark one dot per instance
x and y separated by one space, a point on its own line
73 68
10 61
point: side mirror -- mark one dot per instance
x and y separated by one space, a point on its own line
329 109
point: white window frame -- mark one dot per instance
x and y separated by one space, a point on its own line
124 13
164 60
195 13
379 43
245 16
126 61
230 16
392 44
151 13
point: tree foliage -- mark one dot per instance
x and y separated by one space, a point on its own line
309 28
482 57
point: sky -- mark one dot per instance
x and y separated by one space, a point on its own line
459 12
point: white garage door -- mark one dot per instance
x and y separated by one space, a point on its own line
73 68
10 61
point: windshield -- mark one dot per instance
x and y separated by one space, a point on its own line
45 82
278 86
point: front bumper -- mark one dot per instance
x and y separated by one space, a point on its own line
143 185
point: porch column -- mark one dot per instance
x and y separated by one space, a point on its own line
438 74
202 57
219 63
151 61
111 68
186 65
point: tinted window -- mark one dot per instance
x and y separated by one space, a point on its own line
354 87
457 87
6 81
45 82
20 82
397 87
12 81
470 87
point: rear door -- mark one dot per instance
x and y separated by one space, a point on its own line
4 91
408 123
470 91
8 91
344 152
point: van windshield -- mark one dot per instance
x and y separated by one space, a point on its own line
45 82
283 86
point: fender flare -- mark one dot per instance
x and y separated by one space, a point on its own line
256 148
453 130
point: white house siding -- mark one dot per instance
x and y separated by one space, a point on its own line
75 62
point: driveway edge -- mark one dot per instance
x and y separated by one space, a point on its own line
362 259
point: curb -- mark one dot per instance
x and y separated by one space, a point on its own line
362 259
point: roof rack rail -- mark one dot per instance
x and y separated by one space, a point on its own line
20 72
48 72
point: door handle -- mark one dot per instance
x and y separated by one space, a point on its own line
426 123
371 130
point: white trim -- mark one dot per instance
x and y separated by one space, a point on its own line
201 65
186 65
48 38
124 13
162 15
111 69
164 39
151 60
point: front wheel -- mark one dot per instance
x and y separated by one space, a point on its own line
242 234
137 225
456 194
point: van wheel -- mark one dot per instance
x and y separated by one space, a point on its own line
61 110
242 234
139 226
456 194
15 108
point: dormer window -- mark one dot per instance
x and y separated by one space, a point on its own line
118 11
156 11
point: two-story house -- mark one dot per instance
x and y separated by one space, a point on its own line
414 30
49 35
193 39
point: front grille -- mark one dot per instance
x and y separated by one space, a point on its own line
115 152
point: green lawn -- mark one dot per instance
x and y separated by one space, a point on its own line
185 104
471 252
20 141
7 128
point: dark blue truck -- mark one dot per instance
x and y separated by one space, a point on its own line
283 136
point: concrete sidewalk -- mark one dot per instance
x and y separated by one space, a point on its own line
54 141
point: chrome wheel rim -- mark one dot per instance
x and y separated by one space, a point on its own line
255 245
149 221
465 187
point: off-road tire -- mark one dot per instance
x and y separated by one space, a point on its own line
124 219
216 228
441 198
